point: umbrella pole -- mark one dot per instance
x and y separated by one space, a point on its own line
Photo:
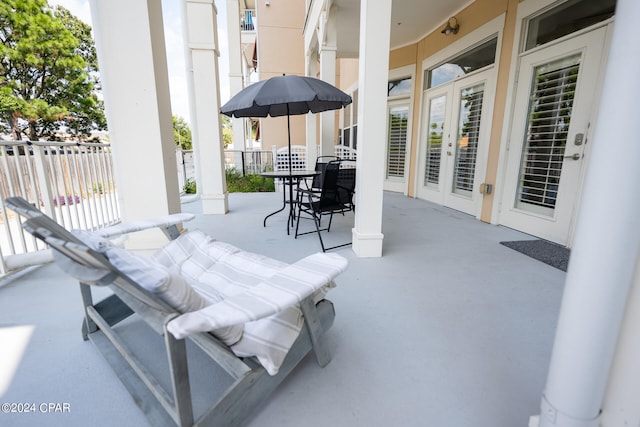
289 138
291 209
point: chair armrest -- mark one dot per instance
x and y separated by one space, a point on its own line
163 222
308 191
284 289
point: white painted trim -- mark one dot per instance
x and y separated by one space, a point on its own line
406 71
397 185
367 245
398 73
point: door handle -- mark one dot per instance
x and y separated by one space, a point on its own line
574 156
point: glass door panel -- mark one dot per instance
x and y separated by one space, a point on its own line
435 134
550 106
468 136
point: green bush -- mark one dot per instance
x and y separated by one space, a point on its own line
189 186
236 183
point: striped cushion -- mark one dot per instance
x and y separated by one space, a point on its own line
163 280
258 291
249 301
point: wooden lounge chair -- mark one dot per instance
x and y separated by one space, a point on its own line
247 383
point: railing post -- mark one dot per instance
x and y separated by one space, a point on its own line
44 181
3 266
274 154
244 170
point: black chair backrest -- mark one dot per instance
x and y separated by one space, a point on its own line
329 196
346 181
321 165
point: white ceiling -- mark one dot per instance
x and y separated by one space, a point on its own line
411 20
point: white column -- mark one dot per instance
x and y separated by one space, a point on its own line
133 70
328 118
621 402
199 19
236 81
311 136
372 106
606 245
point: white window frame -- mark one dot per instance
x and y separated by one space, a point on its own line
408 71
353 119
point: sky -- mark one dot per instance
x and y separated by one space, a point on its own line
175 50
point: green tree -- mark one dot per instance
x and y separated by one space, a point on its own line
227 130
182 133
48 72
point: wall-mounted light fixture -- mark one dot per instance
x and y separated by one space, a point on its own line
452 26
266 2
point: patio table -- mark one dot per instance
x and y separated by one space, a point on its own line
288 178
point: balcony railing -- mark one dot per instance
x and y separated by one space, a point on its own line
249 162
75 184
247 19
71 182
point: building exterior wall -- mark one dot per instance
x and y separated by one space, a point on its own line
473 20
281 51
348 73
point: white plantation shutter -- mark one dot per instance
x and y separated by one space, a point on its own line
434 140
467 141
397 141
550 106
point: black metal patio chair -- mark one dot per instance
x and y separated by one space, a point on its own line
313 204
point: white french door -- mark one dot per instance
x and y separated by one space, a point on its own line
454 142
398 125
555 94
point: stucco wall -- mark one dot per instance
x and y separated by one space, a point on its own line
281 50
348 73
471 18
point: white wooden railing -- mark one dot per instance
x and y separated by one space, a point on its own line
75 184
71 182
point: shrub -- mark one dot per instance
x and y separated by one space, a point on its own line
236 183
189 186
97 188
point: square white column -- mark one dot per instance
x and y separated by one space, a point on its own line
131 52
373 74
201 50
328 118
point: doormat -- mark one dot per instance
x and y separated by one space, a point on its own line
550 253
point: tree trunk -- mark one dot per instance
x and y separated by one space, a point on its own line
33 131
16 134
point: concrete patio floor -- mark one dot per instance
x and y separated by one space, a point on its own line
449 328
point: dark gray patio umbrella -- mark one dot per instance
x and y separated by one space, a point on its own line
285 95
